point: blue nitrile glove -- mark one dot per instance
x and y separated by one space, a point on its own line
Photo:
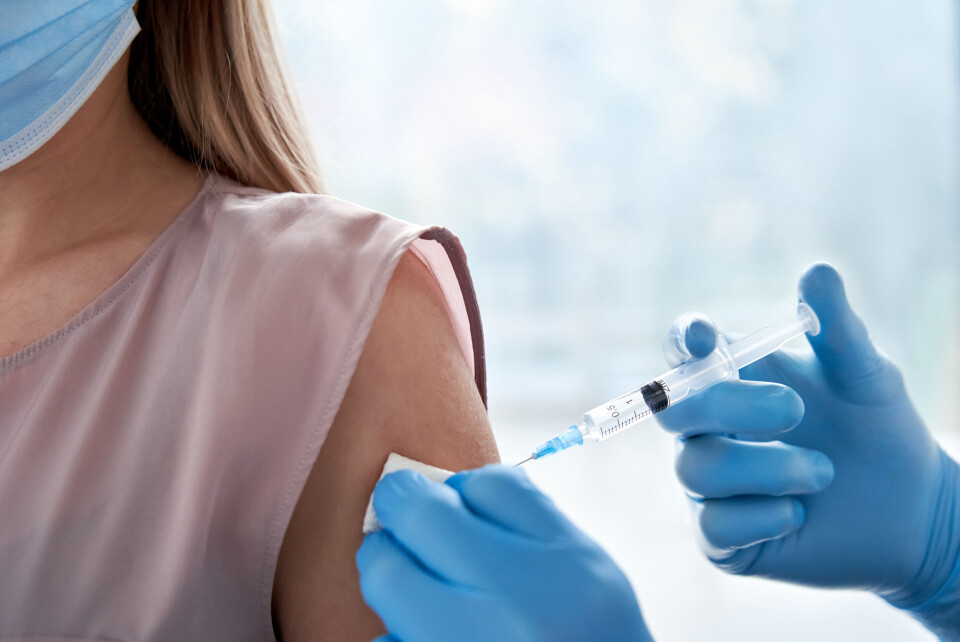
826 476
487 556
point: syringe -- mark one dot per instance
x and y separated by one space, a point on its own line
684 381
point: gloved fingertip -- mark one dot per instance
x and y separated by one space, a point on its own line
823 471
395 490
821 287
820 283
700 336
457 481
797 514
843 344
692 335
369 549
791 516
397 482
792 405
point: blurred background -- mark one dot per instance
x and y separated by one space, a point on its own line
611 165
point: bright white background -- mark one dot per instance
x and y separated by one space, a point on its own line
610 165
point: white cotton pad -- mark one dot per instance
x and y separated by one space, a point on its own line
399 462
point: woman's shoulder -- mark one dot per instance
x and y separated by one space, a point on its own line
298 226
306 266
319 266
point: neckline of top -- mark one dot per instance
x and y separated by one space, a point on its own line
112 294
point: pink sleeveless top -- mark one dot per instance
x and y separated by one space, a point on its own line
153 448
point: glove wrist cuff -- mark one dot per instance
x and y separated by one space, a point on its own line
933 597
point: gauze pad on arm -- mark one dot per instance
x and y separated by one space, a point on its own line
399 462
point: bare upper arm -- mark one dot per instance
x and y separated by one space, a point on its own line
412 393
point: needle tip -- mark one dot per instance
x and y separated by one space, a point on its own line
525 461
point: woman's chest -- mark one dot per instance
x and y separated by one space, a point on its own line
37 301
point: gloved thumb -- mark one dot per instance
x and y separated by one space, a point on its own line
843 345
691 336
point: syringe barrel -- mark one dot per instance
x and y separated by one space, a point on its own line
765 341
633 407
672 387
616 415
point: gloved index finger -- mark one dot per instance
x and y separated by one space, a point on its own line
505 495
748 407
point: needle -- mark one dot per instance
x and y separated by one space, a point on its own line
525 461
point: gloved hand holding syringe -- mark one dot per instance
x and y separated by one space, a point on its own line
684 381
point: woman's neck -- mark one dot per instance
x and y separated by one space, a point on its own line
103 175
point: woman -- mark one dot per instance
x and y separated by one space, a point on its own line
204 364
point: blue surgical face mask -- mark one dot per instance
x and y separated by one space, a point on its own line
53 54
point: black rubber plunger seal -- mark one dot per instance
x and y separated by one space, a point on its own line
655 396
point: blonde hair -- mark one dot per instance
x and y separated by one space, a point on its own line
209 78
